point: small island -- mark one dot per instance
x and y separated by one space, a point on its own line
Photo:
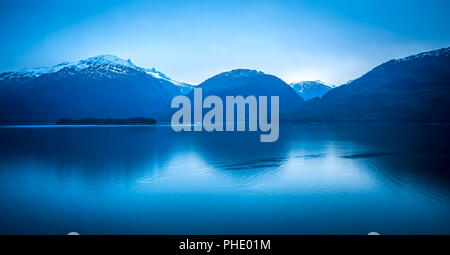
96 121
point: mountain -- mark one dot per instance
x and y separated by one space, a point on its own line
310 89
411 89
98 87
247 82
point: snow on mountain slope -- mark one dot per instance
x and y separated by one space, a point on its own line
102 63
184 87
99 87
444 52
311 89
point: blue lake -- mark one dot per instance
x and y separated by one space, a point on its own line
316 179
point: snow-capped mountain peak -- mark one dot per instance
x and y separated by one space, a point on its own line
106 60
240 73
102 60
311 89
103 63
310 84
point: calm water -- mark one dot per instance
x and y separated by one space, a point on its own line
317 179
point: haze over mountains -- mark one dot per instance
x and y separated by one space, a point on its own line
415 88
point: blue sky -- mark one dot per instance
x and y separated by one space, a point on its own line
190 41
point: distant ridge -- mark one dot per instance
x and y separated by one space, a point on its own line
93 121
311 89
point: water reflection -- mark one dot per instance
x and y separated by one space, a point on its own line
316 179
